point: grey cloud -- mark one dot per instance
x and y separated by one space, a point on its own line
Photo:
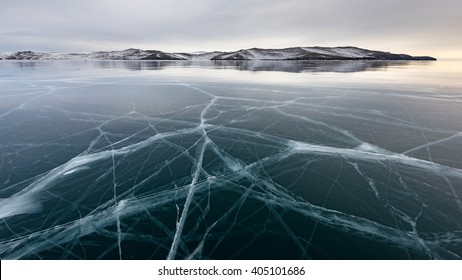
217 24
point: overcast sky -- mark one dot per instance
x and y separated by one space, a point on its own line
417 27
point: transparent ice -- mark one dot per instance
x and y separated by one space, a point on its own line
156 160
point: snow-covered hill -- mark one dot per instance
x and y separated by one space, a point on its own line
29 55
133 54
315 53
296 53
199 56
129 54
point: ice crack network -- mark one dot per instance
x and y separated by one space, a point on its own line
139 165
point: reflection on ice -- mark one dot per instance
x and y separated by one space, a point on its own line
114 165
340 66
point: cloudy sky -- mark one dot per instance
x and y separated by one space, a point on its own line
417 27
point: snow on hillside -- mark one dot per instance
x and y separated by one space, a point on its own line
315 53
295 53
205 55
277 54
298 53
340 51
29 55
133 54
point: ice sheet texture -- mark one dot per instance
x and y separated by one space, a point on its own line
195 162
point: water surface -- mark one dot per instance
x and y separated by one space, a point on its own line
230 160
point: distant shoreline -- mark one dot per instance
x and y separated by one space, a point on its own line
285 54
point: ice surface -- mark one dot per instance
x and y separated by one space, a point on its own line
154 161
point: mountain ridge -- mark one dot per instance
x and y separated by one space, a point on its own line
290 53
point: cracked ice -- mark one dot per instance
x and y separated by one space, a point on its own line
101 162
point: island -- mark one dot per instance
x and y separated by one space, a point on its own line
293 53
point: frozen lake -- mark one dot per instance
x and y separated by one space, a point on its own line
237 160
